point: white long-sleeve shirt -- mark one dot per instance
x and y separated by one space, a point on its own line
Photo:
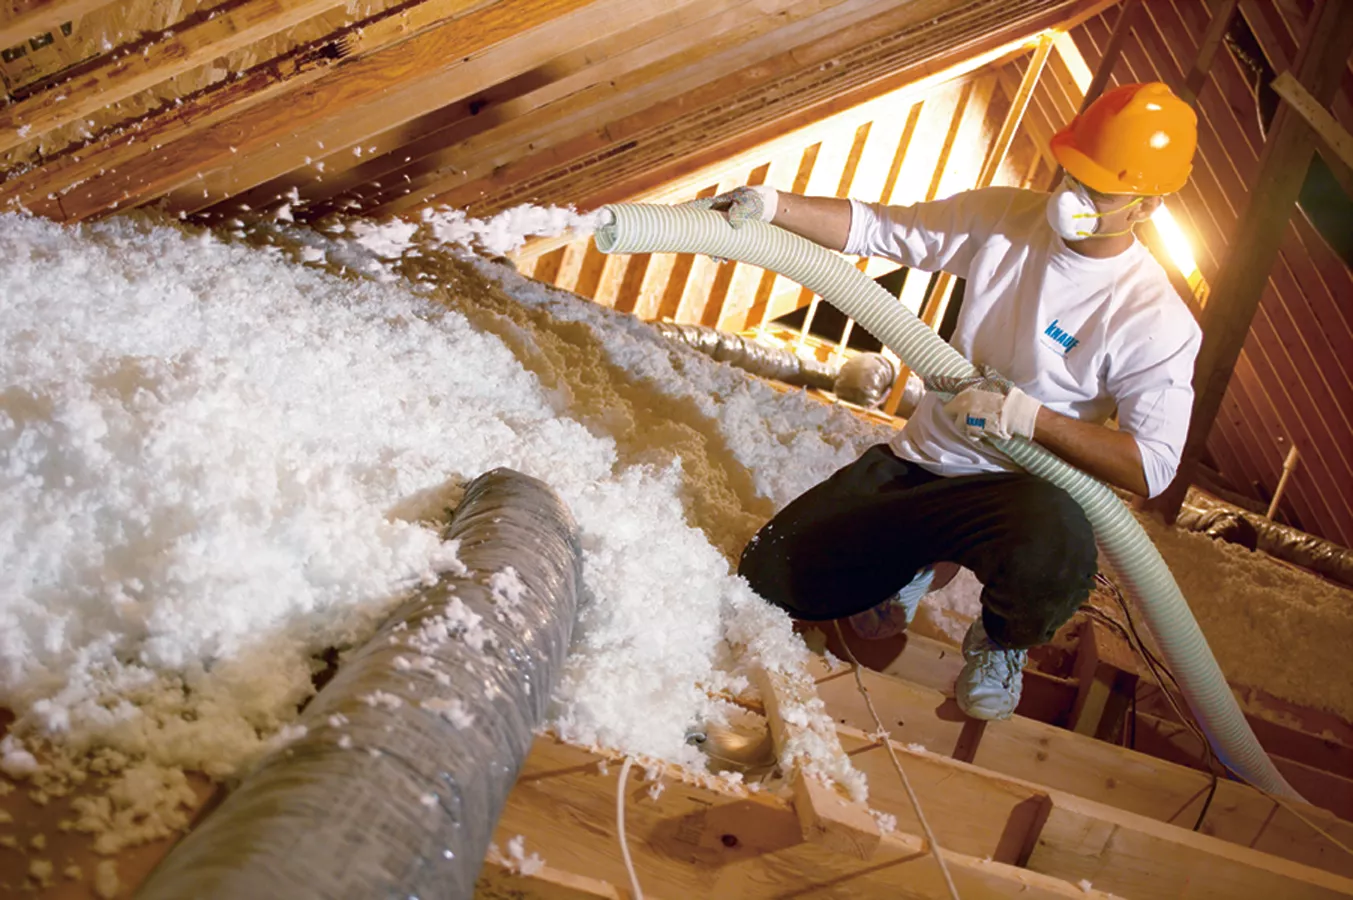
1083 336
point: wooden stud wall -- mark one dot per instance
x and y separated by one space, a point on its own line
1294 380
913 147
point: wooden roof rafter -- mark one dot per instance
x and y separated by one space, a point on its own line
33 18
120 76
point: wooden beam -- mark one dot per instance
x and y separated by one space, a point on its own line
1336 144
1222 17
1253 249
456 133
729 115
275 80
44 15
1136 857
500 881
702 837
653 91
938 301
453 59
1037 752
826 815
1122 28
119 77
1106 673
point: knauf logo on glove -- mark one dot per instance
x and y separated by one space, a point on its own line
1061 341
975 422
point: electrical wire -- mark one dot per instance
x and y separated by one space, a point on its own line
620 827
897 764
1187 719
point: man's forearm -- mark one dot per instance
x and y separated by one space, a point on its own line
1109 455
822 220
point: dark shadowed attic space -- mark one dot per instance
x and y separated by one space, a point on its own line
223 456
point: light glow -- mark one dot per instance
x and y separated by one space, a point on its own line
1181 252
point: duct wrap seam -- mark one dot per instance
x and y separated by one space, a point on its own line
410 751
639 228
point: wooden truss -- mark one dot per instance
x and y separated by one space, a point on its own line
1041 812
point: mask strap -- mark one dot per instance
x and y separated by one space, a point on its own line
1100 215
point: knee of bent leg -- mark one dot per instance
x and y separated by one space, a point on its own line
1055 547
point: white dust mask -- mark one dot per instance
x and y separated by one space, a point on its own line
1073 215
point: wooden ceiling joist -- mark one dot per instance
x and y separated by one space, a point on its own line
20 21
919 692
121 76
1000 835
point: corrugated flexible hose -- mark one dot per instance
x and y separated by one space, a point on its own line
639 228
408 754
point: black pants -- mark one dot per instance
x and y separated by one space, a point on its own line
858 537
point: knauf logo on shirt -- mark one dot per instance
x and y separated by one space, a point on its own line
1060 341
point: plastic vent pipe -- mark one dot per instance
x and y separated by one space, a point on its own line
410 751
638 228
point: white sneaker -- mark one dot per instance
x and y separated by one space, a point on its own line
989 685
892 616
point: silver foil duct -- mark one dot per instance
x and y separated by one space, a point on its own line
410 751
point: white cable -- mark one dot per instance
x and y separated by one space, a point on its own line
897 764
1139 646
620 827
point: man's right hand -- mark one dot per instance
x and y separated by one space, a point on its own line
750 203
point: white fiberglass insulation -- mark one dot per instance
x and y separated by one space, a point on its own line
218 460
214 461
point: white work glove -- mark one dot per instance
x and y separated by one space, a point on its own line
987 405
750 203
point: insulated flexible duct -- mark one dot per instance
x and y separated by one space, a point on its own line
745 353
1228 522
408 754
638 228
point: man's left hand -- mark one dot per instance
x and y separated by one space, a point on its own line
987 405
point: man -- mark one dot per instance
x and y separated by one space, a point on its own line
1064 303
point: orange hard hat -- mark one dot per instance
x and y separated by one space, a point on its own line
1134 139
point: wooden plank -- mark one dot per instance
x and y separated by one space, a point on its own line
1055 758
398 159
26 819
547 266
745 280
826 816
735 110
636 270
608 112
277 78
1107 675
1250 258
938 301
1222 17
1167 739
354 101
1123 25
44 15
1136 857
590 271
710 839
119 77
1333 137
